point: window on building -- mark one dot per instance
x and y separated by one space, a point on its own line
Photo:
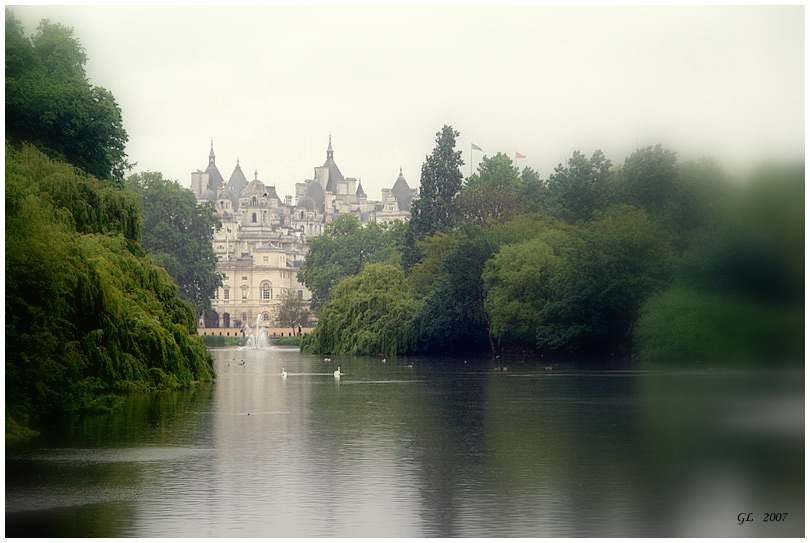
244 278
227 294
300 294
266 291
265 259
253 218
245 291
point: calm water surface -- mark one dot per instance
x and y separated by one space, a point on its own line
442 448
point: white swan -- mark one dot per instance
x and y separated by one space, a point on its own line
337 373
283 372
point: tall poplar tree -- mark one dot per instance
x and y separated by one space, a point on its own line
441 180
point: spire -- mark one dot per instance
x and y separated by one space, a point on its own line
211 155
329 152
255 174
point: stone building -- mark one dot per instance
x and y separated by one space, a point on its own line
262 241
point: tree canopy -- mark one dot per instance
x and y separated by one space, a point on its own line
293 311
88 313
51 104
651 258
177 231
342 250
367 314
440 182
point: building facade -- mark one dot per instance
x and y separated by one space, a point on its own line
262 242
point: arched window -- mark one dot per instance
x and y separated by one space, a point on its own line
253 218
266 291
245 291
266 316
226 320
254 201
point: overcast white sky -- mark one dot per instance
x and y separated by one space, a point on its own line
270 83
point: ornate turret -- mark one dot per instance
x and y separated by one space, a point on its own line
402 192
214 177
334 172
236 185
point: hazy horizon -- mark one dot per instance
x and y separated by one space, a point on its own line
269 84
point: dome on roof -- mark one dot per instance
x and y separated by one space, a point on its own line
255 188
307 203
208 194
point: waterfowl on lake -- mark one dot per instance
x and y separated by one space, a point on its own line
283 372
337 373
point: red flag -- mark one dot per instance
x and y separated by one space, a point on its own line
518 155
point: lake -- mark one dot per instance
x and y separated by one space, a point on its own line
414 447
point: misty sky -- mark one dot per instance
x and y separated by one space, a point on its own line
270 83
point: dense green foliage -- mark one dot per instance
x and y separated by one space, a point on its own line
177 231
342 250
367 314
738 292
653 258
50 103
452 318
434 210
87 312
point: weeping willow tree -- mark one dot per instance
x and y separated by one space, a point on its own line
368 313
88 314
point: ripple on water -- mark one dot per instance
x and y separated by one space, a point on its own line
111 455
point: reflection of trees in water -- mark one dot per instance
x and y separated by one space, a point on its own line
83 491
447 425
167 417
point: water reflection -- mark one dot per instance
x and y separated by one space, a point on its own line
423 448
